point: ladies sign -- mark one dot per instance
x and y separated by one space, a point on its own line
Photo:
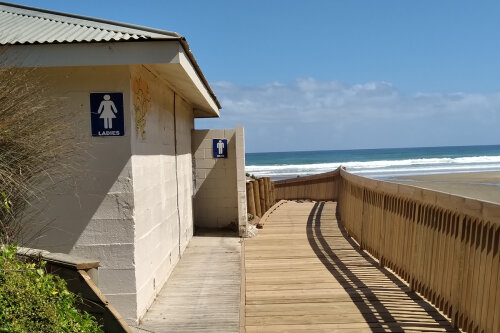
106 114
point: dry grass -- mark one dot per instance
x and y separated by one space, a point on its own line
35 142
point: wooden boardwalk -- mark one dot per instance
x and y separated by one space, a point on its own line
203 293
302 274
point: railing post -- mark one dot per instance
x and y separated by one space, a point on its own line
274 193
262 190
411 267
256 194
267 185
250 199
361 243
458 286
382 233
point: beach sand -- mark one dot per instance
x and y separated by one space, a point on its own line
477 185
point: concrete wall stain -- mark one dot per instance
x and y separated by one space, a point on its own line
142 105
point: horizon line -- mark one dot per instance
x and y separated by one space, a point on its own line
387 148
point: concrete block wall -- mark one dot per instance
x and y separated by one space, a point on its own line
162 169
92 214
220 194
129 201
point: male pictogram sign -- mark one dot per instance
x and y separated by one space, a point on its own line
220 148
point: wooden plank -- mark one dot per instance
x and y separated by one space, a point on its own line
242 290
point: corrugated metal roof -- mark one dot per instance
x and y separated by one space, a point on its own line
27 25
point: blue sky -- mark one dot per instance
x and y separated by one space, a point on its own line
307 75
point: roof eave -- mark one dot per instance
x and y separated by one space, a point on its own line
194 63
168 56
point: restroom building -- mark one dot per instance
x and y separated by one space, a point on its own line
147 178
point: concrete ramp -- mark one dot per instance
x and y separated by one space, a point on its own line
203 293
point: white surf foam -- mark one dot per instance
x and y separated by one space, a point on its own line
383 167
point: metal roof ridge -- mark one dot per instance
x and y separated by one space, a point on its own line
111 23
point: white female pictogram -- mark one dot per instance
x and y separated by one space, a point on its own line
107 111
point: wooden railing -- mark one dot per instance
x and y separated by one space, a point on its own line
260 196
445 246
317 187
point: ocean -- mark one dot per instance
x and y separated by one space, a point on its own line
376 163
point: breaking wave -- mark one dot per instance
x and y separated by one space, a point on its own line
382 168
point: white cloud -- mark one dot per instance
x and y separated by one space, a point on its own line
375 107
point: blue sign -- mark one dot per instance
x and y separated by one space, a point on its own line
106 114
220 148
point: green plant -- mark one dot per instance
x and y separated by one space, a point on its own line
251 175
6 203
33 301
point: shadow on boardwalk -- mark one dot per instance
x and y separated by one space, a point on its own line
385 302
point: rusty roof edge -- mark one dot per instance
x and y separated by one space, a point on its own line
185 46
94 19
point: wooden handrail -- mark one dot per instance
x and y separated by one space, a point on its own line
316 187
445 246
469 206
311 178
